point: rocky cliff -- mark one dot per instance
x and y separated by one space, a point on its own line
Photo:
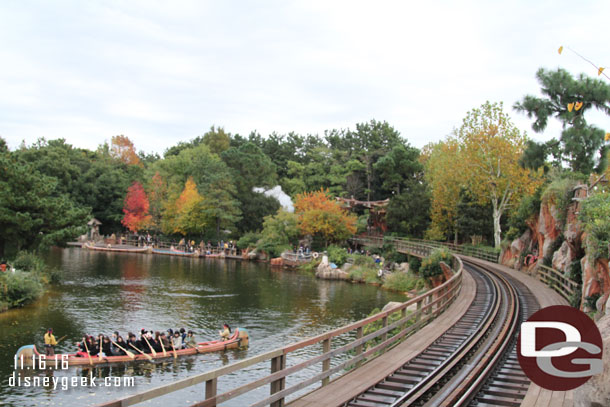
555 236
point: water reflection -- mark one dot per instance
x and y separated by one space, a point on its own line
104 292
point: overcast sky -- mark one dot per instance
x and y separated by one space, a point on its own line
164 72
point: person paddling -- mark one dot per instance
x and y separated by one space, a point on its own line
49 342
226 332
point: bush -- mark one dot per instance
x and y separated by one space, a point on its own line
19 288
337 255
362 260
414 264
595 215
517 222
560 193
248 240
400 281
29 261
364 275
431 265
391 255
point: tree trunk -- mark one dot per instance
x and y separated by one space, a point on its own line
497 215
1 248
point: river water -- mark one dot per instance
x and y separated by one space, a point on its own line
104 292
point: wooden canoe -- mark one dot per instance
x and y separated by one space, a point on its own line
239 339
174 252
117 248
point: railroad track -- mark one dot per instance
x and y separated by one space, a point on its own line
474 362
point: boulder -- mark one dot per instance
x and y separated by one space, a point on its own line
403 267
596 391
326 272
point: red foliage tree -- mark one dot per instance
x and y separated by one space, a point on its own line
136 208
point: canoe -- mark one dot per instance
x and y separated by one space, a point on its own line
174 252
239 339
117 248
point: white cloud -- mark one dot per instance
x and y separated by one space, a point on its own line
162 73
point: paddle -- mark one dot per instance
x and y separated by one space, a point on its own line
162 347
88 354
62 338
151 348
128 353
172 342
99 355
147 356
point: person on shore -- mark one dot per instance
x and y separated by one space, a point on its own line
225 334
3 266
191 342
49 343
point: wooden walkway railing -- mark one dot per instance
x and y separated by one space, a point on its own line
554 279
557 281
353 353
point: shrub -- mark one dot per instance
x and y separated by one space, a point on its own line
337 255
391 255
361 260
400 281
29 261
560 193
431 265
414 264
19 288
517 222
249 239
595 215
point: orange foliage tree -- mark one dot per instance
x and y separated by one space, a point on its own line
136 208
123 150
319 215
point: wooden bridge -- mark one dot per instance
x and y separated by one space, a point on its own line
363 359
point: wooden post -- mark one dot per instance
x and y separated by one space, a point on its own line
326 363
359 348
278 363
210 388
385 335
418 311
403 314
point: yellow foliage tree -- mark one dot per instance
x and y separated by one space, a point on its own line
489 150
187 213
441 163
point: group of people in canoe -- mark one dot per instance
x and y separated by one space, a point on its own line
145 342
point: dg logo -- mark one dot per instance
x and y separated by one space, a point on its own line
560 348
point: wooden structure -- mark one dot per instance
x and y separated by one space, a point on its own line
377 212
94 229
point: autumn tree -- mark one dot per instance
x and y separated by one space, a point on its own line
489 150
136 208
123 150
441 161
319 215
186 214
